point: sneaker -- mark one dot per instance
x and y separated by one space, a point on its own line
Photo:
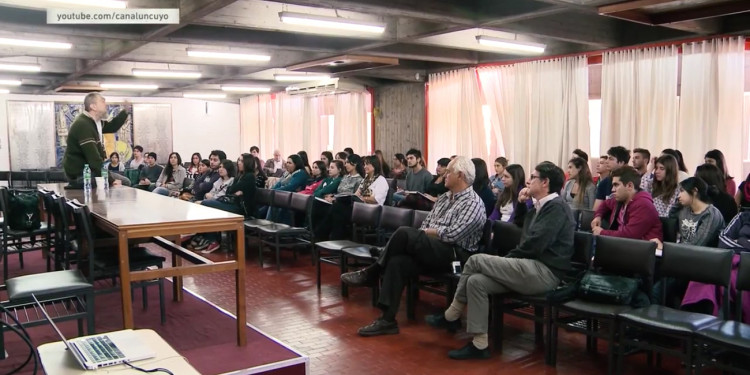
213 246
202 244
185 238
196 240
379 327
469 351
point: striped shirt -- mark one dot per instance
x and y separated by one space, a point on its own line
459 219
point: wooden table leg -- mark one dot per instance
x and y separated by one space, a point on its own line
127 308
176 280
240 286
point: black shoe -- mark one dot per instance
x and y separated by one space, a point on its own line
375 252
469 352
379 327
439 321
364 277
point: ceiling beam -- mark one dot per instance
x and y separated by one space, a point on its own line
587 29
544 12
190 10
716 10
630 5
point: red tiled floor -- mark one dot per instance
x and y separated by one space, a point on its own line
323 325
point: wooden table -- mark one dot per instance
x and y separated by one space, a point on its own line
129 213
56 360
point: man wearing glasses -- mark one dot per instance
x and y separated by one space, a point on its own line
535 266
450 233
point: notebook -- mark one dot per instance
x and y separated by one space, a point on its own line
93 352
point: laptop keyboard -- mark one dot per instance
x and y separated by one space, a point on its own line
101 349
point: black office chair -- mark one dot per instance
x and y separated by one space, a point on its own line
289 236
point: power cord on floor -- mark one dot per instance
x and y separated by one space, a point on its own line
25 337
151 370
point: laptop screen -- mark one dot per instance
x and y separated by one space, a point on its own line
46 316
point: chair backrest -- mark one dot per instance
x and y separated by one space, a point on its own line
5 176
366 215
419 217
36 177
743 273
300 202
392 183
401 184
505 237
19 178
84 234
389 197
187 183
485 242
263 197
584 223
583 244
669 228
4 208
281 198
391 218
626 257
57 176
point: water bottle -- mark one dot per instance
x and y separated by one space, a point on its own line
105 176
86 179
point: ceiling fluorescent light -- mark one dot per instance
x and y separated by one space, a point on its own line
300 77
4 91
228 55
128 86
331 22
34 43
10 82
204 95
511 45
20 67
166 73
94 3
245 89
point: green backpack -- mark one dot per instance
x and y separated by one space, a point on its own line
24 211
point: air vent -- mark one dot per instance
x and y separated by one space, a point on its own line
79 88
325 87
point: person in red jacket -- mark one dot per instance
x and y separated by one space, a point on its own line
631 213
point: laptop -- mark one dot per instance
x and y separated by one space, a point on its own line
96 351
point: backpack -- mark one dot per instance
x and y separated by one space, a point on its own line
23 210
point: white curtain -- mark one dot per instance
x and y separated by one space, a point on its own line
456 125
31 134
539 109
711 101
639 99
350 122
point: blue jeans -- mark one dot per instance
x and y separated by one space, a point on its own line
162 191
228 207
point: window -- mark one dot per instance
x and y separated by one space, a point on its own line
369 132
331 127
487 116
595 126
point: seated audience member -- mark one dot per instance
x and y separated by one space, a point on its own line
209 242
579 191
193 169
578 153
417 177
682 170
663 184
496 179
260 174
617 157
327 157
508 208
342 156
716 158
602 171
398 167
714 178
205 182
137 159
742 198
348 150
701 297
426 200
303 155
535 266
631 213
150 172
699 224
294 180
330 184
348 184
172 177
319 173
240 195
255 152
386 167
372 190
482 185
641 158
274 167
114 163
450 232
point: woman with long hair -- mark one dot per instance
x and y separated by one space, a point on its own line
663 184
713 176
303 154
226 179
240 195
295 177
508 208
260 174
383 164
331 182
172 177
319 173
496 182
579 191
681 168
716 158
327 157
193 167
398 164
482 185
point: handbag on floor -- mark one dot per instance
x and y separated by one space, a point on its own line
23 211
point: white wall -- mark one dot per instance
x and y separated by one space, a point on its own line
197 125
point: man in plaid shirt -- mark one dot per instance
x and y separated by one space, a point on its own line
450 232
